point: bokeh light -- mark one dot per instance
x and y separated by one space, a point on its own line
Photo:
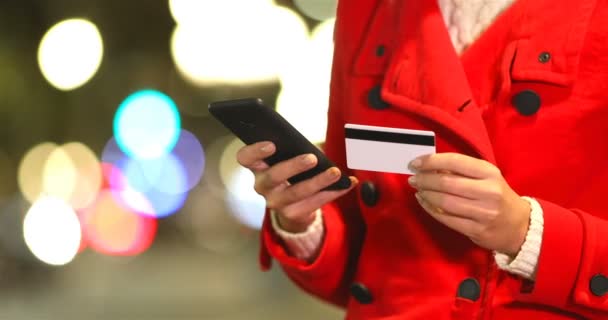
317 9
191 156
304 97
228 163
111 229
245 204
31 170
147 124
59 175
88 171
52 231
162 181
152 187
127 197
210 49
70 53
191 11
213 156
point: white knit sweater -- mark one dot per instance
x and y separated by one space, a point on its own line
465 21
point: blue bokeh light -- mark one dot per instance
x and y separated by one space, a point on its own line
192 157
152 187
245 204
147 124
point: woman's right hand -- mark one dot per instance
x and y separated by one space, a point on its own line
294 204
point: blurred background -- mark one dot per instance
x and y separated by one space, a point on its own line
120 197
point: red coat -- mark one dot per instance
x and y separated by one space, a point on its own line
531 96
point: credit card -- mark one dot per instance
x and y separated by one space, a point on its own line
384 149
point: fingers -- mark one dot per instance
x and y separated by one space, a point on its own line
448 183
457 223
269 179
452 205
456 163
281 197
252 156
318 200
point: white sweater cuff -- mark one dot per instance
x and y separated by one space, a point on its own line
526 261
304 245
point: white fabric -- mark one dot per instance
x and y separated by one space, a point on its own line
526 260
467 19
302 245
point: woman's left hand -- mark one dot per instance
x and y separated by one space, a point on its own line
471 196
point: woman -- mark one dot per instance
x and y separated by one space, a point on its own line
506 220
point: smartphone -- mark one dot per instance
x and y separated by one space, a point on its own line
251 121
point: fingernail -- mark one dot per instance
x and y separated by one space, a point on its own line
412 181
267 147
415 164
334 172
308 159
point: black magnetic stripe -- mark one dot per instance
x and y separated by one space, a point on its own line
382 136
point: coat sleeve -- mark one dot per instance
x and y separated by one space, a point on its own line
573 263
328 276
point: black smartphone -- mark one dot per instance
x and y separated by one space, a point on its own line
252 121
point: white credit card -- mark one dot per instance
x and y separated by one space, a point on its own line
385 149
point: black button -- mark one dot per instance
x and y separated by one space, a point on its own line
598 285
375 100
469 289
544 57
361 293
369 194
527 102
380 50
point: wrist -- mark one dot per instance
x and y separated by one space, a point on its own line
525 209
295 226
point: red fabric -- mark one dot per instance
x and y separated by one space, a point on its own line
411 264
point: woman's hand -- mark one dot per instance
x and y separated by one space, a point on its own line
472 197
294 204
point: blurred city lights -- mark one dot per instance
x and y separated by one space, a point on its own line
163 204
245 204
124 194
191 156
166 174
70 53
31 170
151 187
59 175
304 97
70 172
147 124
191 11
228 163
187 159
111 229
88 170
52 231
317 9
251 46
161 181
111 153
